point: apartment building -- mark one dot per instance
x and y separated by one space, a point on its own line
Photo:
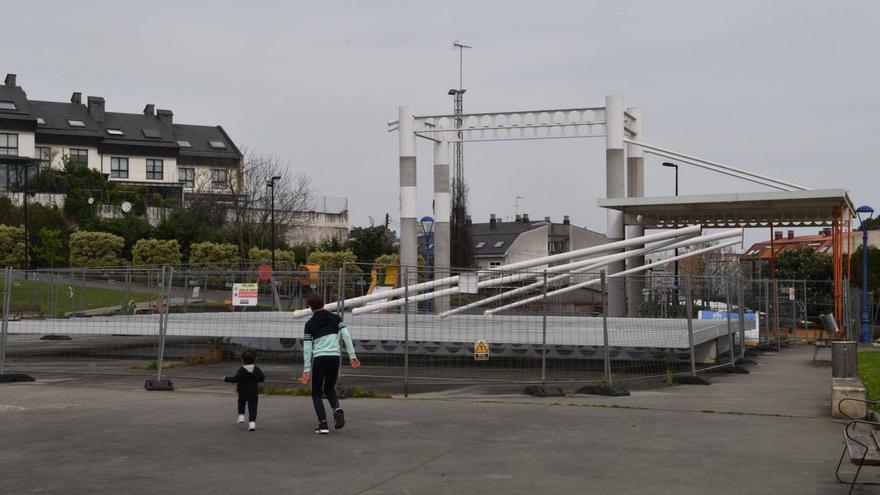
145 149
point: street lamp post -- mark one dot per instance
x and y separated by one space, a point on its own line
865 213
675 288
427 224
271 186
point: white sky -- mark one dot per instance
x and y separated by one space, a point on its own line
783 88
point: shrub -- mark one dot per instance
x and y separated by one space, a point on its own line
214 256
284 259
49 250
155 252
95 249
333 260
11 245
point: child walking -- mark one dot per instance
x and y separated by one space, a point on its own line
321 344
248 378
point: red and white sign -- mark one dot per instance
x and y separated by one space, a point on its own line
245 294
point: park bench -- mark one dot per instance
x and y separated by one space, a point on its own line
861 444
17 311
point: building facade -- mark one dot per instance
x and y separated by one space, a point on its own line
144 149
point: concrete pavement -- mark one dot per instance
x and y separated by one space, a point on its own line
767 432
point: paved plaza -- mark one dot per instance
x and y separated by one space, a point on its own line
766 432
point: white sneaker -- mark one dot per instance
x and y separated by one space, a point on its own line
240 419
252 426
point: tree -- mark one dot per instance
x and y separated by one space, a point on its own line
804 264
49 251
95 249
199 224
251 208
156 252
11 246
214 256
873 269
130 227
368 243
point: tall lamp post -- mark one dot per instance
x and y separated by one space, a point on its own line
865 213
427 224
271 186
675 287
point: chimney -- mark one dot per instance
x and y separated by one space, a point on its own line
165 115
791 234
10 79
76 97
566 220
96 107
525 218
150 110
547 219
492 221
518 218
777 236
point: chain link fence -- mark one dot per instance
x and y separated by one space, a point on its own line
493 327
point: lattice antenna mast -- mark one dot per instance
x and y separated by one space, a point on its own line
462 254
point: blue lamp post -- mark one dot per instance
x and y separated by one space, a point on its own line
865 213
427 224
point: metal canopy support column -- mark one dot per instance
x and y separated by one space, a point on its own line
615 187
635 187
408 218
442 208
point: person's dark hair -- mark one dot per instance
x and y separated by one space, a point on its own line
315 301
248 356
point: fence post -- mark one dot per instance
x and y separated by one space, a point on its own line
7 288
776 314
406 332
544 332
691 379
606 388
740 296
159 384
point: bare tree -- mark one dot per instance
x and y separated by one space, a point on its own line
251 199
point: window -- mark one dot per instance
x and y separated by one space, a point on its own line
119 168
76 123
219 178
44 154
154 169
7 105
187 176
494 264
152 133
115 132
80 157
498 244
217 145
480 244
41 121
184 144
8 144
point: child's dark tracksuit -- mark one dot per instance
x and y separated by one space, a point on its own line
248 379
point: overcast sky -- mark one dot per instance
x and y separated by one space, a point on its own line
783 88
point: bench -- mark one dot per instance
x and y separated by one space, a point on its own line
19 310
861 444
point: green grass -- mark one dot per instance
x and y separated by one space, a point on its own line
869 372
165 366
356 393
84 298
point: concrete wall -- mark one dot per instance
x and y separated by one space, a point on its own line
528 245
137 168
25 142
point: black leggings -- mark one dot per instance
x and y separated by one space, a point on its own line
251 401
325 370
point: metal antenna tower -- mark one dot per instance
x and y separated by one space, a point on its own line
462 252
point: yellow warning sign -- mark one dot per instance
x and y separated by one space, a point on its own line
481 350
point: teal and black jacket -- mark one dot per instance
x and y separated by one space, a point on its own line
321 338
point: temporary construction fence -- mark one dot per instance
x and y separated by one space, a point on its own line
490 327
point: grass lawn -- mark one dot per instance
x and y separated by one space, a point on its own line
69 297
869 372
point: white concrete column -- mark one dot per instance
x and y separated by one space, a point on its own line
635 188
442 209
408 219
615 187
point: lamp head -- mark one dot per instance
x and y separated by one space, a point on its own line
865 213
427 224
670 164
